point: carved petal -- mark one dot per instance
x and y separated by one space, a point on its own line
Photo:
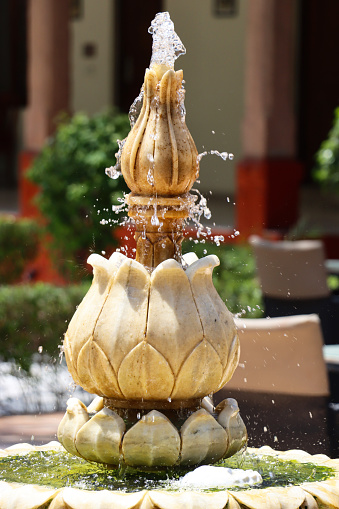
144 373
187 152
100 438
103 374
71 363
165 153
82 324
75 417
122 322
257 499
203 439
325 493
144 162
25 497
70 498
217 321
232 503
189 500
309 502
152 441
233 360
229 418
83 371
133 171
173 326
290 497
96 405
200 374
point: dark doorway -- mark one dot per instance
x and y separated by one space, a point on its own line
319 76
12 83
134 47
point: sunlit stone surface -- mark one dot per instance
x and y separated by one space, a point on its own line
153 440
153 337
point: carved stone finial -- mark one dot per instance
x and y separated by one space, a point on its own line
159 163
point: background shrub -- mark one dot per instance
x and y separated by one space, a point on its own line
75 193
35 315
19 241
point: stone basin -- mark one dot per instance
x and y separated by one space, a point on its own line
321 494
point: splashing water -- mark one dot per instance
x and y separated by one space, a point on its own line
114 172
223 155
135 108
167 46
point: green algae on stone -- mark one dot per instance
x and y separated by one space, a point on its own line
60 469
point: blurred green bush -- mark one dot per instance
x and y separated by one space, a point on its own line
326 171
75 193
235 278
33 316
19 241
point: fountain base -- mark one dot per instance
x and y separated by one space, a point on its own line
295 479
151 439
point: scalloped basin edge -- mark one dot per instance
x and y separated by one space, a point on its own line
309 494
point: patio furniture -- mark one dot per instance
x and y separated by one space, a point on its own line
293 278
281 384
281 355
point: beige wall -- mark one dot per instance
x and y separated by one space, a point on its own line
92 78
214 73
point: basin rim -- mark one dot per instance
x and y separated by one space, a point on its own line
325 492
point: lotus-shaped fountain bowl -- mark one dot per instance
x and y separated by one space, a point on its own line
164 336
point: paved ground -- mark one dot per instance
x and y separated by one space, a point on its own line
34 429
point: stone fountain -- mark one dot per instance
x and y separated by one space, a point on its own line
152 337
153 340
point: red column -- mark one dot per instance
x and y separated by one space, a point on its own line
48 95
269 175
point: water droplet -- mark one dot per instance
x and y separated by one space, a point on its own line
150 177
113 172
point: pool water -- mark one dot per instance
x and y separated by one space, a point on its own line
60 469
